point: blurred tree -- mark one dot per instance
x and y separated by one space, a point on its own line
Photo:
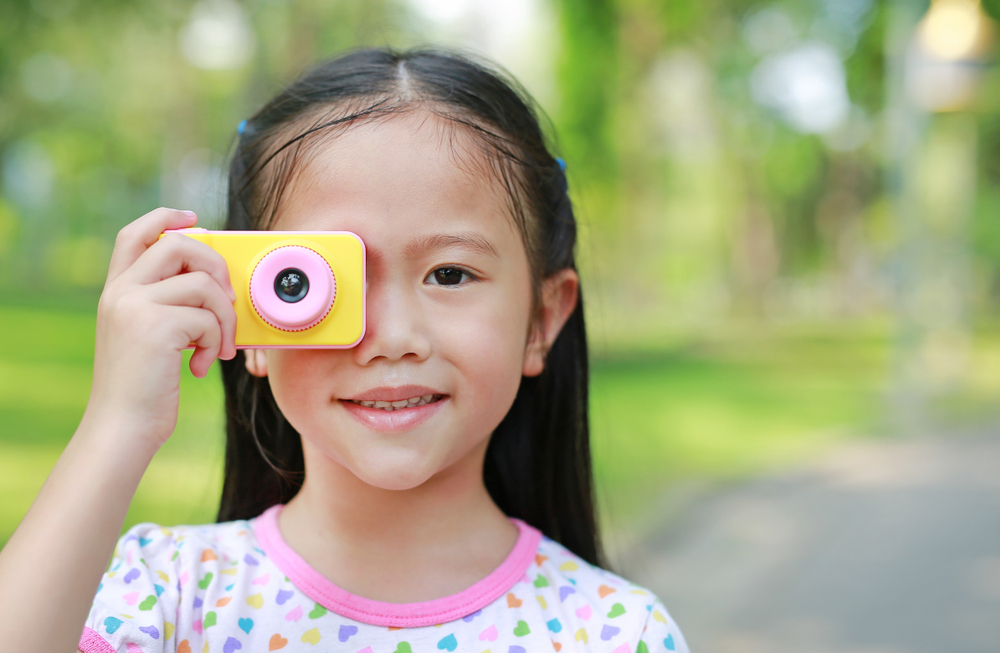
108 109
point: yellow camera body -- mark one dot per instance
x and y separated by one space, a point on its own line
301 289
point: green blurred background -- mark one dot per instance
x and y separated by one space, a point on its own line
789 210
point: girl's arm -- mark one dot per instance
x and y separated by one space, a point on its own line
160 297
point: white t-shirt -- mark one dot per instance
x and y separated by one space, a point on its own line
238 586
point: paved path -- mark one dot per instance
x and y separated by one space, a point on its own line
886 547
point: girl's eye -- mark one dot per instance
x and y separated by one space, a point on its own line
448 277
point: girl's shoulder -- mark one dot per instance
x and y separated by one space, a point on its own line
575 575
599 603
186 545
165 582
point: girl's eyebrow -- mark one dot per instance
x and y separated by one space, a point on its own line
469 240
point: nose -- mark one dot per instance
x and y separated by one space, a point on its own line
396 326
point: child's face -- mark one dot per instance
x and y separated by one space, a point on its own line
449 302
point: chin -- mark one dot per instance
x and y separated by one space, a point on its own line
393 479
394 474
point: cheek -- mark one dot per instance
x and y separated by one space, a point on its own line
296 377
486 343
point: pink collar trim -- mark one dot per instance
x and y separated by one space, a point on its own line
396 615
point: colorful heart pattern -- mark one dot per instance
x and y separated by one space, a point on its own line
557 601
312 636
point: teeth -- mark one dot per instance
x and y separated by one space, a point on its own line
390 406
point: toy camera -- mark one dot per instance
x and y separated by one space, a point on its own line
302 289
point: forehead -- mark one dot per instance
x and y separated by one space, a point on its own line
413 171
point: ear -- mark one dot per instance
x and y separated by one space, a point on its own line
256 360
559 293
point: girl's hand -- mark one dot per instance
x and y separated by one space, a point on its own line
162 294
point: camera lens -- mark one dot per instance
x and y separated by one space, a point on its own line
292 288
291 285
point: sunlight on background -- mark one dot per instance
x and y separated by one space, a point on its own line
954 29
943 70
805 85
218 36
517 34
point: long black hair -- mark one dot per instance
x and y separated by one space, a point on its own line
537 465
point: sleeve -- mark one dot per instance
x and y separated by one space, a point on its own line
136 603
661 633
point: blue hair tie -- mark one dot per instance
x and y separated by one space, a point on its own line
562 164
241 127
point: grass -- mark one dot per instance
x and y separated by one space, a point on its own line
46 363
727 405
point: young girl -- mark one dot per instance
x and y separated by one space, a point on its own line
427 490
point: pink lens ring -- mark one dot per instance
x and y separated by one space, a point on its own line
320 288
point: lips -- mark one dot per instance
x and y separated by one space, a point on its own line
395 409
398 393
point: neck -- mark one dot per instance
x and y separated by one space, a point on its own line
443 535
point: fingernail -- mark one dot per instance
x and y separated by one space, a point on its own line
190 214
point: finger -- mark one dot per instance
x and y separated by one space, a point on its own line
199 290
201 361
138 235
201 328
175 254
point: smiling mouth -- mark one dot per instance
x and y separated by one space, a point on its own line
390 406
